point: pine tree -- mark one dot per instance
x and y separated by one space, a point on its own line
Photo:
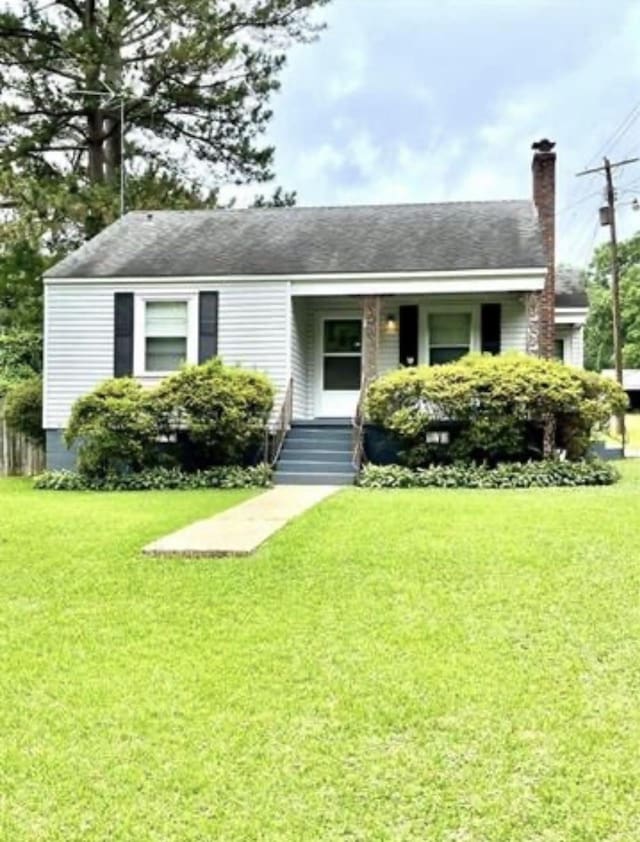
195 78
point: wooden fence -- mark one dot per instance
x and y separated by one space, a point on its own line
18 456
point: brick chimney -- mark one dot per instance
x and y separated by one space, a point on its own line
543 168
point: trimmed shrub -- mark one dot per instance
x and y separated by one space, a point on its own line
495 406
544 474
23 409
202 416
156 479
116 429
216 413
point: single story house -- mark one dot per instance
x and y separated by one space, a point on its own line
321 299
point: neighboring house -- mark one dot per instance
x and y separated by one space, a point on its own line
571 306
630 383
321 299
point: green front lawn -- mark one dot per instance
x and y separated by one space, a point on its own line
395 665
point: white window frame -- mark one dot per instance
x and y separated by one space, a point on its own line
427 310
139 334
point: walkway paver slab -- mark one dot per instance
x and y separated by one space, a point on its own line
241 529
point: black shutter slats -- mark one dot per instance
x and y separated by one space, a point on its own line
408 327
490 328
207 326
123 334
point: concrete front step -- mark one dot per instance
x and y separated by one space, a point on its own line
321 431
324 442
320 456
322 423
316 452
295 478
307 467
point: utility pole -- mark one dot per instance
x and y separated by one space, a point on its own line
608 217
615 276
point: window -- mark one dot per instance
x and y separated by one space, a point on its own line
449 337
166 326
558 350
342 354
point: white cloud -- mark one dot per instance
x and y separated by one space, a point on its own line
350 75
434 104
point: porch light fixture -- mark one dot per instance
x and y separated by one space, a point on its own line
391 325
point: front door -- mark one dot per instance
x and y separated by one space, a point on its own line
340 366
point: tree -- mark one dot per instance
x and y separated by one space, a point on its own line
196 77
279 199
599 327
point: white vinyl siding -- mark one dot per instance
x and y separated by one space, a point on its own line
78 346
253 332
299 346
572 337
513 332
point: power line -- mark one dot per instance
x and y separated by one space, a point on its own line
579 201
608 218
619 133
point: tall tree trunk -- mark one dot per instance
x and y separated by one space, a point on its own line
113 77
95 145
95 117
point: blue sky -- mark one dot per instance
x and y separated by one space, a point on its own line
432 100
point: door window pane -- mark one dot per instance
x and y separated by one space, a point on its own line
558 350
341 373
342 336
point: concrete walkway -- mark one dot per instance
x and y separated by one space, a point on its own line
241 529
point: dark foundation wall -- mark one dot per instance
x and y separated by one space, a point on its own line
59 457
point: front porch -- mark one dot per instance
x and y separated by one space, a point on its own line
340 342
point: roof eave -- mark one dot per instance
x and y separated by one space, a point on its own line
533 272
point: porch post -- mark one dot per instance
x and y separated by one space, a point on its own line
532 306
370 337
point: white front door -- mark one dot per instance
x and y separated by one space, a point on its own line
339 369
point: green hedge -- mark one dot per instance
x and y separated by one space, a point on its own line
20 357
198 418
158 479
23 409
507 475
497 407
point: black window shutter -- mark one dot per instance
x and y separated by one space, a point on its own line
491 327
207 326
408 335
123 334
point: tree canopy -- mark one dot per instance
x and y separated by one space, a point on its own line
599 328
194 78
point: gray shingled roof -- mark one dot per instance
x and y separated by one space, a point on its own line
571 289
303 241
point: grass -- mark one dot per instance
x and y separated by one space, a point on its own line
395 665
632 429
